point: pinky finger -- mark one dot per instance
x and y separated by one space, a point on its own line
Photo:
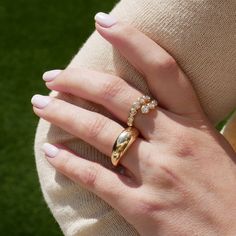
111 187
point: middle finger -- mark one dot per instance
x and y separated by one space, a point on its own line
111 91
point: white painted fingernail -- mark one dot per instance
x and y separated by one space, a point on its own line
50 150
105 20
40 101
51 75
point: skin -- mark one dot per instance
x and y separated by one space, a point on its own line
182 172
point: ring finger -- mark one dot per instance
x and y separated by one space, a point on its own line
94 128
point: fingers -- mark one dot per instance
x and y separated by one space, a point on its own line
110 186
164 77
94 128
112 92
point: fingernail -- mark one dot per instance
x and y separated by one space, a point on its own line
40 101
105 20
51 75
50 150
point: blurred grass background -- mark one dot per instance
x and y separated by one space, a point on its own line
35 36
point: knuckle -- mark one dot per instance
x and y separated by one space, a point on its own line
90 175
111 88
95 127
164 64
186 144
167 63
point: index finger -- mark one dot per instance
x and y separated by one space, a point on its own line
166 80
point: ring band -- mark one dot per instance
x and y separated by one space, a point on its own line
122 143
143 103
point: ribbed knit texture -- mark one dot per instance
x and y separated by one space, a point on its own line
201 36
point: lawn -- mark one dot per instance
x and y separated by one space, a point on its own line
35 36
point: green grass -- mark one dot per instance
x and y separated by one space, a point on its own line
35 35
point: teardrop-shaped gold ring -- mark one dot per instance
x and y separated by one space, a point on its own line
122 143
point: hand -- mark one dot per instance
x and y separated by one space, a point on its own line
182 173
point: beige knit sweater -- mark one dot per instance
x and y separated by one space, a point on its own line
201 36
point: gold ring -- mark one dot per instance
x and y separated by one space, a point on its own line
143 103
122 143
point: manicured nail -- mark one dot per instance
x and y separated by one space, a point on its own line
50 150
105 20
40 101
51 75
